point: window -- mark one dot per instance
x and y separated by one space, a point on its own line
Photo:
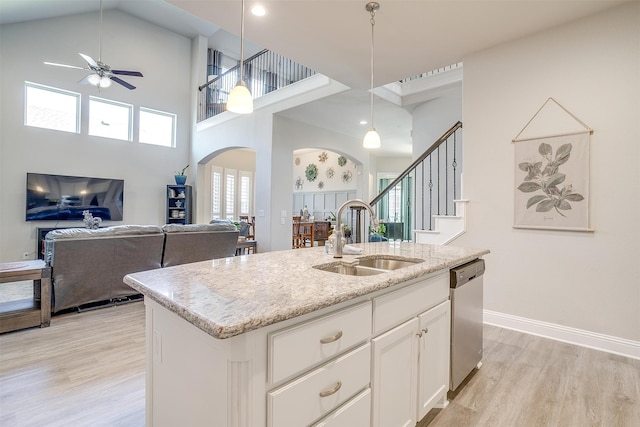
157 127
230 194
216 194
246 193
110 119
51 108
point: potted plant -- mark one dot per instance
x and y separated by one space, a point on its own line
180 177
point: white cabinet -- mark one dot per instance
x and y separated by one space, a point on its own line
317 340
379 360
433 361
394 376
319 392
356 412
411 361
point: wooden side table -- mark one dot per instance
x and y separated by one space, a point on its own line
29 312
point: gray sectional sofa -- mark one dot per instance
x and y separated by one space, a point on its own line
87 266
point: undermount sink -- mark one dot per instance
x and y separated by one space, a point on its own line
368 266
349 270
387 263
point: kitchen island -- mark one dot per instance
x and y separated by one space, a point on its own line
269 340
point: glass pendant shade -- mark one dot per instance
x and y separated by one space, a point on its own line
371 139
240 100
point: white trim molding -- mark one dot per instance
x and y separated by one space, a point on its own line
580 337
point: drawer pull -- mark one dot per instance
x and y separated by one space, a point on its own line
332 338
332 390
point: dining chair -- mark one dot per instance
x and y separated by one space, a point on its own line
295 232
306 234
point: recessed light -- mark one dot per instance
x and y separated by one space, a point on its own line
258 10
363 122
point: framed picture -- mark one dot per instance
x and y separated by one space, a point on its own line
551 189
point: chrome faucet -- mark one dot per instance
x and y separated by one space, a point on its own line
337 246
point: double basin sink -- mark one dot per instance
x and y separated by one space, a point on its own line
368 266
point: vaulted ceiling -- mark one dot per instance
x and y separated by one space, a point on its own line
333 36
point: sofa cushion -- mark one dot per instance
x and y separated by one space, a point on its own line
194 228
198 242
117 230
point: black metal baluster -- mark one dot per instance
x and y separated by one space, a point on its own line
454 164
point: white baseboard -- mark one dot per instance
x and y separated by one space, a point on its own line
608 343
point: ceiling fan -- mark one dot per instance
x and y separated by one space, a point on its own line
101 74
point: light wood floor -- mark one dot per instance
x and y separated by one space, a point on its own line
87 369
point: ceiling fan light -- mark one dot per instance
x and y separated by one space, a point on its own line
240 100
371 139
105 82
94 79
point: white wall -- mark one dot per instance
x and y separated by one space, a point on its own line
433 118
580 280
129 43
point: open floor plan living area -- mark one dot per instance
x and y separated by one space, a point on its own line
280 213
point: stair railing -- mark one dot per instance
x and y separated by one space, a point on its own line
428 187
264 72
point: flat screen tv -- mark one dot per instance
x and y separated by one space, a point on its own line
65 198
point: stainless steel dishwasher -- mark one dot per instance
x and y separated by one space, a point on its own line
466 320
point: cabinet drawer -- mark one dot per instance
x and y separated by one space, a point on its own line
294 350
319 392
396 307
356 412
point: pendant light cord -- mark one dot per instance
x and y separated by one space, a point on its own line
242 43
373 23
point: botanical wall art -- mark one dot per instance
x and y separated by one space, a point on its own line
323 171
552 181
311 172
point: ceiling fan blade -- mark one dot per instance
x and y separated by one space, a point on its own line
89 60
128 73
64 65
85 80
122 82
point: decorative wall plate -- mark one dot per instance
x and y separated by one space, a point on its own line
311 172
330 172
299 183
323 157
342 160
346 176
321 184
297 161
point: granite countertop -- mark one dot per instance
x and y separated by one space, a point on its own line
230 296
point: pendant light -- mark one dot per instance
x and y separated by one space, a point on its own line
372 138
240 99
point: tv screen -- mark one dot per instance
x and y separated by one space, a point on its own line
65 198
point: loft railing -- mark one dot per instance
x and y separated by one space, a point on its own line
428 187
437 71
264 72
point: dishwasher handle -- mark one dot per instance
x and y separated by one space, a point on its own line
466 273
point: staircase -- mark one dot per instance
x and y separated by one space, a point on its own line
425 199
